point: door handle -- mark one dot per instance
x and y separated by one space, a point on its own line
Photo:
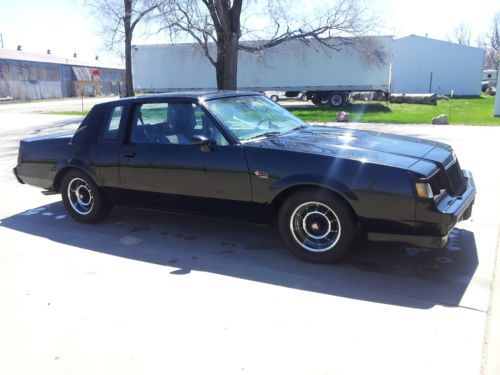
130 155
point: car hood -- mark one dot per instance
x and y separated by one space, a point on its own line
367 146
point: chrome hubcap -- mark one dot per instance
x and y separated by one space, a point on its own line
80 196
315 227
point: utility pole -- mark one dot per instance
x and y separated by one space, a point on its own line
1 39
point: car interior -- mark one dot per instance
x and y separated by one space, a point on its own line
172 123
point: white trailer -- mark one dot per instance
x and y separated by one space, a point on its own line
327 76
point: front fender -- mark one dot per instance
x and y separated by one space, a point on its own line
313 180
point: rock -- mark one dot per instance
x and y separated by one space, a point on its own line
414 98
343 117
440 120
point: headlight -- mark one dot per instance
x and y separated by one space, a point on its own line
424 190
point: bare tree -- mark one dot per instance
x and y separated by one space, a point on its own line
493 51
118 20
218 26
461 35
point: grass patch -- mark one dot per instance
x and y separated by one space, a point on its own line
476 111
68 113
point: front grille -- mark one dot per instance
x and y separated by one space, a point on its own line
439 181
456 177
452 179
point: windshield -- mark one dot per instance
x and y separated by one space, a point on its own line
252 117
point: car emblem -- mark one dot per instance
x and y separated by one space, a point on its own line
261 174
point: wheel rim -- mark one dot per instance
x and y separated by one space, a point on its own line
80 196
304 98
336 100
274 98
315 227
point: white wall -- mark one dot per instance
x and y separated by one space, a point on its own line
453 67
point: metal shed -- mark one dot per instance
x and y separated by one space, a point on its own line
26 75
424 65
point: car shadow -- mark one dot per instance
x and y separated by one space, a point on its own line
383 273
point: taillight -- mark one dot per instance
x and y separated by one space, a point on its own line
19 154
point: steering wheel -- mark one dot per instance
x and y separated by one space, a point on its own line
270 126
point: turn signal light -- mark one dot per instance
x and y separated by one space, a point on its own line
424 190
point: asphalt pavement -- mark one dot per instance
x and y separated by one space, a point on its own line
147 292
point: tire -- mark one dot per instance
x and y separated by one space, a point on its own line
316 100
306 216
336 99
303 97
82 199
274 98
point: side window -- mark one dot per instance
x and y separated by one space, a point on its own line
172 123
205 126
150 119
112 128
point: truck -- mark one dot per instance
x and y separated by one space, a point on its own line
326 76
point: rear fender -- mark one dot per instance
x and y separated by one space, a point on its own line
63 166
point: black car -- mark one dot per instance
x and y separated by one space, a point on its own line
241 155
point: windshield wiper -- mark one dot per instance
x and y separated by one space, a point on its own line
263 135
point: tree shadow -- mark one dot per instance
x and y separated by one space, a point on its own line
382 273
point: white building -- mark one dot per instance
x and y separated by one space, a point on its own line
424 65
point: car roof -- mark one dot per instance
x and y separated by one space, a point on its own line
186 95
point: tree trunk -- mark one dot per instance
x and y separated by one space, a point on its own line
227 63
129 85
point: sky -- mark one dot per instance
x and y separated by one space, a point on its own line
67 26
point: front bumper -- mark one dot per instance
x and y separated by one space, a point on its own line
448 211
456 209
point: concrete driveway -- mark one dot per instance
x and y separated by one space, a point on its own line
148 292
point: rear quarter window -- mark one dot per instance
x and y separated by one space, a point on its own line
111 130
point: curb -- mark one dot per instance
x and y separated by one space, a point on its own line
490 362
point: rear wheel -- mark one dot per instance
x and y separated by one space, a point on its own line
303 97
274 98
316 225
82 198
336 99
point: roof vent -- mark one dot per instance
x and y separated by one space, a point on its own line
75 55
19 48
49 52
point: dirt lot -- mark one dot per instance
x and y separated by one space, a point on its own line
148 292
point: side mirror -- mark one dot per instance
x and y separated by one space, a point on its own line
202 141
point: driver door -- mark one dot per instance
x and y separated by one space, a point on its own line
158 158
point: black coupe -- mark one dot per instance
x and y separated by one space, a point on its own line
241 155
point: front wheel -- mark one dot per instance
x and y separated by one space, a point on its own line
317 226
82 198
